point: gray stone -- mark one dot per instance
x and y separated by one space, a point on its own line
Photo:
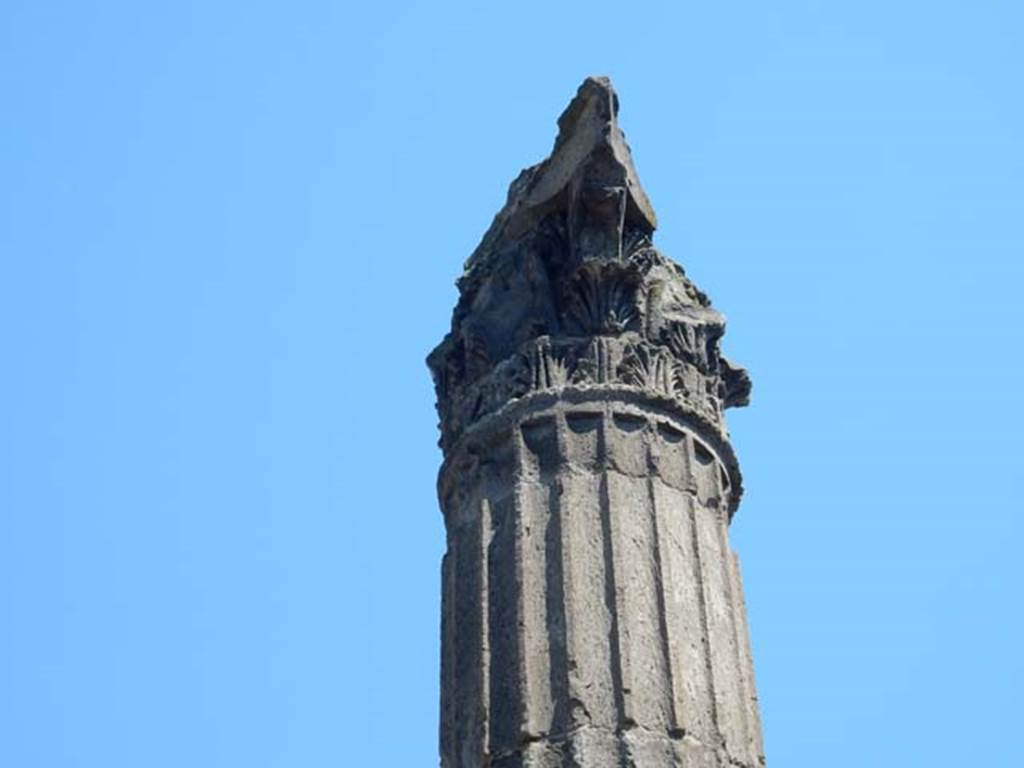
592 608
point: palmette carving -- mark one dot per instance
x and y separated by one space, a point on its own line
547 368
653 368
602 299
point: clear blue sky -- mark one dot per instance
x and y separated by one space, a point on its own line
229 237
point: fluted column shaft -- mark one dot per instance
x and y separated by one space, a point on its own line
592 607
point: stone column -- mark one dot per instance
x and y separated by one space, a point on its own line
592 608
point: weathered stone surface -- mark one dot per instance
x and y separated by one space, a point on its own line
592 608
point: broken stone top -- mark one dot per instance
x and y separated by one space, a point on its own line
568 264
590 161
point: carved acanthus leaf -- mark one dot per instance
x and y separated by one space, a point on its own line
694 342
650 367
547 368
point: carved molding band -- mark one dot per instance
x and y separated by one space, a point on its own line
550 364
652 412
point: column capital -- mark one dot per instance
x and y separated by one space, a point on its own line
566 289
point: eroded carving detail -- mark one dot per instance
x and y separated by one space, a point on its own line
547 368
567 270
601 299
652 367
